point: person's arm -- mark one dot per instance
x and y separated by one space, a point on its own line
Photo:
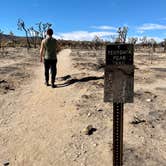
42 51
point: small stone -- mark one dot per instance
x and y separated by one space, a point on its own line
155 96
84 151
89 130
6 163
89 114
153 126
137 120
85 96
73 135
94 144
99 110
149 100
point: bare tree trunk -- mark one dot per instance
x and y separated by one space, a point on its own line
28 42
154 47
0 41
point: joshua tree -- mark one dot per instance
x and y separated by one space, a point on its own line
1 33
42 28
113 38
144 40
21 26
34 35
133 40
122 34
164 45
153 43
97 41
11 34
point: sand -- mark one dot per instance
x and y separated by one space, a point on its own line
42 126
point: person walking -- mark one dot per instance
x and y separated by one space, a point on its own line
48 53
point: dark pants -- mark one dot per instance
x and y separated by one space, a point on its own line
50 64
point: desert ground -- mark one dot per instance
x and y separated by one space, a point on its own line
44 126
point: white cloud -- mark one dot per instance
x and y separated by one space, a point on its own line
84 35
104 27
140 31
146 27
157 39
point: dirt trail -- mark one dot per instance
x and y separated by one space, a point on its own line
42 126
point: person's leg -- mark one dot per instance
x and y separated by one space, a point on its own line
53 71
46 67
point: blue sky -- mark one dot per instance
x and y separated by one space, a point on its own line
82 19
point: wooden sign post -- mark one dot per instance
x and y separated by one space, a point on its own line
119 89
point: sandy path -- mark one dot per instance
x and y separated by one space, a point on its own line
42 126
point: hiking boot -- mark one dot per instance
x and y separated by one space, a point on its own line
53 86
46 83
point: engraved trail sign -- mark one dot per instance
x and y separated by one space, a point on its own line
119 73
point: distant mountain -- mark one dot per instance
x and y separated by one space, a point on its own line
9 37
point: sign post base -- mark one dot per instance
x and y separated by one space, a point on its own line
118 134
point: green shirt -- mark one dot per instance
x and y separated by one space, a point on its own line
50 48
